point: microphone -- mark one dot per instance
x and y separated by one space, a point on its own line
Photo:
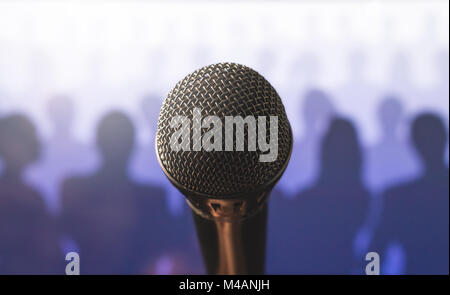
224 140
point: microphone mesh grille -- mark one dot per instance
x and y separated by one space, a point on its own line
224 89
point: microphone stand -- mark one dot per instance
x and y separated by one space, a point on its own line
232 233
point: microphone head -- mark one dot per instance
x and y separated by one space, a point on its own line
221 90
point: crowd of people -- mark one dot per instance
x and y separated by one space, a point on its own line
337 200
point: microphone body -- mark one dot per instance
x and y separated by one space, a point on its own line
232 234
225 184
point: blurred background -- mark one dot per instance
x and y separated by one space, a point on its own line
365 85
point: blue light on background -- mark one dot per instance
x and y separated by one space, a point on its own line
378 64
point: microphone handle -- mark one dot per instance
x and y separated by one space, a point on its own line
234 245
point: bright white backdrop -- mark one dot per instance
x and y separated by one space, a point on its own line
108 54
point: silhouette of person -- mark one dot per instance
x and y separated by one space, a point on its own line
28 236
401 81
281 216
438 95
62 155
416 213
145 169
390 160
317 110
305 73
326 217
441 92
117 223
302 169
144 164
358 93
301 172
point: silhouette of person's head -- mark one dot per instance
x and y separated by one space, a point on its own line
115 140
341 153
430 138
19 145
317 111
390 115
60 111
151 105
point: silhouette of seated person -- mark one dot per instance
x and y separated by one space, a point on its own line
416 213
120 226
28 237
329 214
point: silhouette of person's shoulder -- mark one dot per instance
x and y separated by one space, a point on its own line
320 192
29 237
150 193
152 198
77 187
20 200
395 199
416 197
77 181
308 197
23 209
416 215
85 189
421 188
21 194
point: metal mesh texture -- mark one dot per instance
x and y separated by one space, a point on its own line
224 89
